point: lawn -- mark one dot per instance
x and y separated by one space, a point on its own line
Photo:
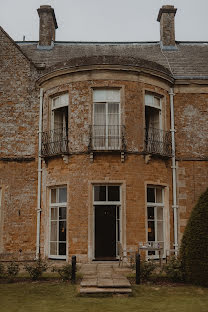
54 296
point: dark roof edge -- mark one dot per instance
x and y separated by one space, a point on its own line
16 45
112 42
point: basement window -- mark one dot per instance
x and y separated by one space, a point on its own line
58 205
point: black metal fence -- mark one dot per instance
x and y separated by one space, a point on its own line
158 142
54 142
107 137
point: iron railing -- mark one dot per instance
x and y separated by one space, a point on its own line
54 142
107 138
158 142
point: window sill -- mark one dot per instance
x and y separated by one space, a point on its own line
57 257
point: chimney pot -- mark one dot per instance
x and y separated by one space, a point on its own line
166 17
48 26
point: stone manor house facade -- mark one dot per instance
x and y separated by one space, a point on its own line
101 144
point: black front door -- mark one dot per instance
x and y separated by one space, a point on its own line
105 232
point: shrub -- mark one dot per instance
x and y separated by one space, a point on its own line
36 269
12 270
65 272
174 271
146 269
194 246
1 270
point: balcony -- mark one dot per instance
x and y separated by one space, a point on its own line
107 138
54 142
158 142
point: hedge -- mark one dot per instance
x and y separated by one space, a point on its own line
194 245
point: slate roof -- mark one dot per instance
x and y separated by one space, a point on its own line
189 60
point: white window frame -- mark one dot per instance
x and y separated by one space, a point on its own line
109 203
60 105
57 205
107 102
155 106
155 205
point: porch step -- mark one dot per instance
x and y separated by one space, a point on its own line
103 278
98 290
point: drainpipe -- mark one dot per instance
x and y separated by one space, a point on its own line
39 176
174 206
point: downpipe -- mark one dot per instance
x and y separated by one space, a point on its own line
174 206
39 176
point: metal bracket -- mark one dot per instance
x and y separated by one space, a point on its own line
91 157
65 158
147 158
122 157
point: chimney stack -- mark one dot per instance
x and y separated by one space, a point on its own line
166 17
48 26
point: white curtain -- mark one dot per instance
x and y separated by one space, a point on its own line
106 131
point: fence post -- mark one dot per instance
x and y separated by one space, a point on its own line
137 268
73 274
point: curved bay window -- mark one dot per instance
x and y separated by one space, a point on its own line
58 204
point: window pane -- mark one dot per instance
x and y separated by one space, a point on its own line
62 249
150 195
62 213
151 231
149 99
54 213
151 213
157 101
53 249
159 195
160 231
113 193
159 213
62 231
53 196
62 195
100 193
54 231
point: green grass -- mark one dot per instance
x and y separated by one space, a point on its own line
61 297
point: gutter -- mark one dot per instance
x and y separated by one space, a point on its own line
174 206
39 176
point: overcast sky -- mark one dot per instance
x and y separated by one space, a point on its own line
105 20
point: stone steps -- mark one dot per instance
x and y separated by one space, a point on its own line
104 279
98 290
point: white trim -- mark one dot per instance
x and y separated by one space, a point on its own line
166 219
57 205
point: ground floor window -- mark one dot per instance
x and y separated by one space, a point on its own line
155 217
58 204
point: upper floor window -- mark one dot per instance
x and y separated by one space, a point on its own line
55 141
59 113
152 112
106 119
157 140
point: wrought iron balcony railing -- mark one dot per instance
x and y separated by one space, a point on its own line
158 142
107 138
54 142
